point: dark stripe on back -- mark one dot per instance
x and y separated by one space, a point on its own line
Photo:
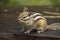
38 19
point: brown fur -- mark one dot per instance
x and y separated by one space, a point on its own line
40 25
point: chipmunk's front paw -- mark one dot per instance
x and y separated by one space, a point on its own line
27 32
38 31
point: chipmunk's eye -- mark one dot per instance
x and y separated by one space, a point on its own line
24 17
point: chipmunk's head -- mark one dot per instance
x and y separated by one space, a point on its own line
24 17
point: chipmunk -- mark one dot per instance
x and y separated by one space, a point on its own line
33 21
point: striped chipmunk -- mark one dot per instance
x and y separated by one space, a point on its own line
33 21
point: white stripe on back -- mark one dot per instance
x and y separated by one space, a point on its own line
32 16
36 14
38 17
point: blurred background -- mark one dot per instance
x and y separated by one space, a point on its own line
29 2
10 9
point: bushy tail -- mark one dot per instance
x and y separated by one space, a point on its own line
54 26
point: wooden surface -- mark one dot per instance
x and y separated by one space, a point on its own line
19 37
9 26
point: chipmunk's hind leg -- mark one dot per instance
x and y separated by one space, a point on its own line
42 26
40 30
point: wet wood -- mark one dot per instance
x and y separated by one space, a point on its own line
13 16
18 37
51 13
8 24
52 16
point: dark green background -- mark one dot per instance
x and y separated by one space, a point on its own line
29 2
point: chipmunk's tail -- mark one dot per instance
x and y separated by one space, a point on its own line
54 26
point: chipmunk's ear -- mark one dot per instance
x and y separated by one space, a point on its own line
25 9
